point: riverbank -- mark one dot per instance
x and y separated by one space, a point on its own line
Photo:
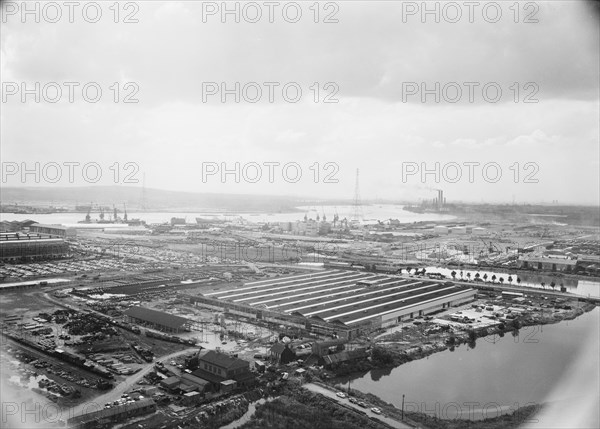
425 421
412 342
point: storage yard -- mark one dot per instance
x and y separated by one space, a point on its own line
126 316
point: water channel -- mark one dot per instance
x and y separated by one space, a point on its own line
498 375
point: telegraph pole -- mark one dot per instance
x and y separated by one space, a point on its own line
402 407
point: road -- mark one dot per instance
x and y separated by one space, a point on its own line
331 394
115 393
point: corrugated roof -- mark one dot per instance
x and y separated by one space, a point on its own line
110 412
193 379
158 317
222 360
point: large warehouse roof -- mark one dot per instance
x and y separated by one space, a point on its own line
344 297
158 317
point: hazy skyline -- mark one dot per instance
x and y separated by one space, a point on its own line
371 60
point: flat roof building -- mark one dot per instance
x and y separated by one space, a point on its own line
53 230
108 417
216 367
158 320
16 247
346 301
551 264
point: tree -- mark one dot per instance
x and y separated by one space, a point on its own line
382 356
461 274
552 285
472 335
518 280
510 279
469 276
472 339
477 276
501 280
485 276
453 274
543 285
493 278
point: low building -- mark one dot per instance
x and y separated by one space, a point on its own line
228 386
17 247
191 398
548 264
108 417
177 221
53 230
171 383
281 353
322 348
345 356
216 367
199 384
158 320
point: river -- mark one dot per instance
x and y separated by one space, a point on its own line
499 375
370 213
573 285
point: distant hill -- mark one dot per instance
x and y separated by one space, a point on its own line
154 199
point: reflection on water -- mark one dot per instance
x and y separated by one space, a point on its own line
496 376
371 212
579 287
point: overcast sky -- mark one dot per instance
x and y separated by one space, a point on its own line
374 58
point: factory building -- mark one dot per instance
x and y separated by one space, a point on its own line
53 230
217 367
158 320
549 264
347 302
15 247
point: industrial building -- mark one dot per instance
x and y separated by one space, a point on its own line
16 247
347 302
158 320
281 353
108 417
218 367
551 264
53 230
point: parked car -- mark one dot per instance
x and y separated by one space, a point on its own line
353 400
341 394
376 410
362 404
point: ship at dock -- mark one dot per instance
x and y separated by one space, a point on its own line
115 219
